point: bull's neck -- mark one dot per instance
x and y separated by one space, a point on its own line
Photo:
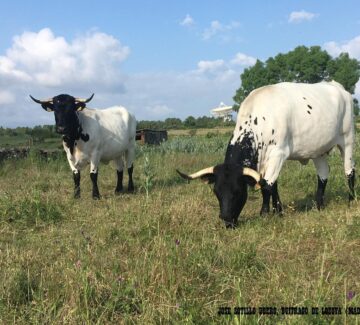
242 149
75 133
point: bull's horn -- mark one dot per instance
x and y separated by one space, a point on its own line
44 101
82 100
252 173
209 170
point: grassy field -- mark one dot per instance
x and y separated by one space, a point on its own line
161 255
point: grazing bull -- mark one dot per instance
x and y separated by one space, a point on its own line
93 135
278 122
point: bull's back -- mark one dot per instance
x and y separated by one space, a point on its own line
114 131
301 119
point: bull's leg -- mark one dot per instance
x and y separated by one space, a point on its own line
130 157
120 175
277 206
76 176
322 169
351 183
93 177
346 149
266 193
268 182
131 187
75 171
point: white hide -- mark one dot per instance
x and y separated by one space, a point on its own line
111 133
299 122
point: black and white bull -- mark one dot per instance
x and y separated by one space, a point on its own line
278 122
93 135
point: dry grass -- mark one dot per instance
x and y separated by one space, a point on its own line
165 257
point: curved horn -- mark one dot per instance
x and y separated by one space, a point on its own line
44 101
82 100
202 172
252 173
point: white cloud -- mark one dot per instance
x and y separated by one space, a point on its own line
44 64
44 59
217 27
159 111
243 60
300 16
357 90
352 47
187 21
210 66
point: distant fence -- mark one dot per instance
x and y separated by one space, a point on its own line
14 153
21 153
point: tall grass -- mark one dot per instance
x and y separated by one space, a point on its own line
162 255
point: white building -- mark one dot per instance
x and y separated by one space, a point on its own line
222 111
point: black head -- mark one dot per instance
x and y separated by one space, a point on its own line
230 187
65 108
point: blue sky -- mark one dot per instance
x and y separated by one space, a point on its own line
159 59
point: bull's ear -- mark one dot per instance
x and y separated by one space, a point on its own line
49 107
46 104
80 106
208 178
252 177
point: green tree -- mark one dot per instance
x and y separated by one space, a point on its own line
172 123
303 64
345 70
190 122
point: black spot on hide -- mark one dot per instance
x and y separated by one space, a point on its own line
263 118
84 137
255 121
309 106
272 132
309 112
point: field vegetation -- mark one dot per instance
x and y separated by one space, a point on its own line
162 255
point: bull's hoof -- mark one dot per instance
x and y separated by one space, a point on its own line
264 210
77 195
96 196
119 191
131 189
278 208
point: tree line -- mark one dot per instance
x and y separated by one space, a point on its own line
41 132
303 64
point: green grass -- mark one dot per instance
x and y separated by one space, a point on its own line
162 255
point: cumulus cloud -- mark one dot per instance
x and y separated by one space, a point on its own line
50 61
351 46
159 111
217 27
188 21
243 60
44 64
300 16
210 66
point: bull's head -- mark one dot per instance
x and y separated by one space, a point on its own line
65 108
230 187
